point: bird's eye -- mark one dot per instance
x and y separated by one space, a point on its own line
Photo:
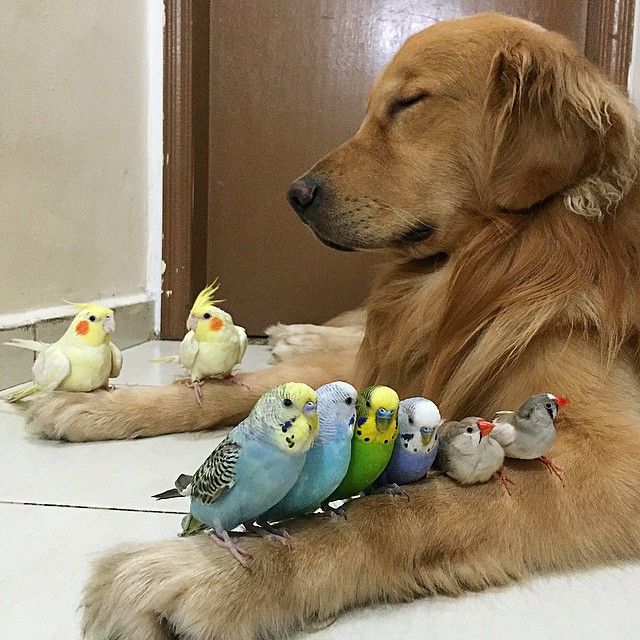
469 429
548 405
92 318
404 103
368 404
410 420
287 403
206 316
349 400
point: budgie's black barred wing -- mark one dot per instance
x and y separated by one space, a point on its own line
216 475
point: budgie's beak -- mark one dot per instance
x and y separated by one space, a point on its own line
426 434
109 324
383 418
192 322
485 428
309 408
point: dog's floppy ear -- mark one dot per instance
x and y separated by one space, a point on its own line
556 126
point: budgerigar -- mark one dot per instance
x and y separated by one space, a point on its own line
213 345
82 360
372 443
328 459
528 433
467 453
416 446
253 468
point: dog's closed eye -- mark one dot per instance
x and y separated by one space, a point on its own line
399 104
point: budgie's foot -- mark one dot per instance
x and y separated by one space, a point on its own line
333 512
197 385
505 480
266 531
558 471
392 489
225 541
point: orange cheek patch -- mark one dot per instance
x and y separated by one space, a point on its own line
216 324
82 328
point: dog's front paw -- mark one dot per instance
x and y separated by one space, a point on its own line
289 341
189 589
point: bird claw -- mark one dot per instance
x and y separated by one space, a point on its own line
240 554
197 385
331 512
505 480
392 489
266 531
233 379
554 468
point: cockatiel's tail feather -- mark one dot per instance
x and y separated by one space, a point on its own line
205 298
165 360
21 394
32 345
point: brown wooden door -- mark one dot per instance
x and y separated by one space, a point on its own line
288 81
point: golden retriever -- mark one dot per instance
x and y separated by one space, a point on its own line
497 168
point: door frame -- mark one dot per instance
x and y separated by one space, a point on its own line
609 44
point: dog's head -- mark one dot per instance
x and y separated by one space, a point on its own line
473 117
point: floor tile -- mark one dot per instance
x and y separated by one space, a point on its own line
588 606
45 557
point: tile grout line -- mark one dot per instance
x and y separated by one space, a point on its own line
95 508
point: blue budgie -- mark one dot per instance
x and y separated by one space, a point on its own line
328 459
417 444
253 468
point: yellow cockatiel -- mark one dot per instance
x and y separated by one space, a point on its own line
213 344
82 360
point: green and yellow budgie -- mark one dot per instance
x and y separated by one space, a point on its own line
213 345
82 360
375 432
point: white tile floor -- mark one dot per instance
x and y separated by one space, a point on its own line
62 505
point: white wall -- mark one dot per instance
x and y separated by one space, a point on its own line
634 70
80 153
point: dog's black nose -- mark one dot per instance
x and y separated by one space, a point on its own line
302 193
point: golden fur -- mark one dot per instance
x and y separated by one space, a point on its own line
523 160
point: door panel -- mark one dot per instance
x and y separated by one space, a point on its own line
288 82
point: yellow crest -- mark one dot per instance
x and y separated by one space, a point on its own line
205 299
96 309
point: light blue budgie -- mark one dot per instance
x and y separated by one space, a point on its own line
417 445
328 459
253 468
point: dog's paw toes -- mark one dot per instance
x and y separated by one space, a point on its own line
186 588
58 416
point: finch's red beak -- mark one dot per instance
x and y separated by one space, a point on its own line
562 402
485 427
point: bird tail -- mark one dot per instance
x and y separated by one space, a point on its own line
191 526
32 345
181 489
165 360
165 495
21 394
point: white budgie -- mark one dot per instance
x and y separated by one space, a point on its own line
82 360
213 344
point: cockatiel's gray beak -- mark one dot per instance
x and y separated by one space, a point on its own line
109 324
192 322
383 418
